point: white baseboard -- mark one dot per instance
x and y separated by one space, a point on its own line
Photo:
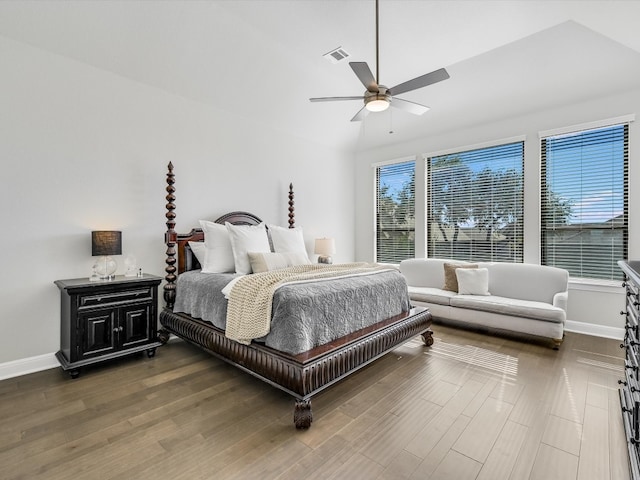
24 366
594 330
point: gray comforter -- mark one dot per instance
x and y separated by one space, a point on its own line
304 315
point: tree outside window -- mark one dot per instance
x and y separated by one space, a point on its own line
475 204
395 212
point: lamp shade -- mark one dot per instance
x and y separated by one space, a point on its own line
325 246
106 242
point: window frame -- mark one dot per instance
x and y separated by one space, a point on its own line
624 121
467 149
376 168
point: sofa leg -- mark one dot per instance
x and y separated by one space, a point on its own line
557 342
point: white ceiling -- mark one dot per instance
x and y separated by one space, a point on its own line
262 59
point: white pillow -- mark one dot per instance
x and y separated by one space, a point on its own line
267 261
218 254
473 281
199 249
244 239
287 239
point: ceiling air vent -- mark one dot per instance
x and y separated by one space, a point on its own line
336 55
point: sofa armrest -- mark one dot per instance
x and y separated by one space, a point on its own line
560 300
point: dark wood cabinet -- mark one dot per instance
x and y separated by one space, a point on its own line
106 319
630 385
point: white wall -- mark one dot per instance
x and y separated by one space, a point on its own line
86 149
598 307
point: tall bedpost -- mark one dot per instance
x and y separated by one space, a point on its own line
170 240
292 221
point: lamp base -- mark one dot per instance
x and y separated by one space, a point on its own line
104 268
325 259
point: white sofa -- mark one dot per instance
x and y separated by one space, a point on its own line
523 298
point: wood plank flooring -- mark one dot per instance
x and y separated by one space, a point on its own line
473 406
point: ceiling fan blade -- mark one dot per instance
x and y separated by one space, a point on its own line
360 115
334 99
408 106
363 72
419 82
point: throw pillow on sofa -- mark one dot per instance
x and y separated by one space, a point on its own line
450 279
473 281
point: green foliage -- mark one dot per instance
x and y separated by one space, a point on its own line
490 200
557 210
396 223
451 196
398 210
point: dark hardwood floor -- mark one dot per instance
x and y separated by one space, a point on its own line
473 406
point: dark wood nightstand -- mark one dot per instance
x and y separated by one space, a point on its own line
106 319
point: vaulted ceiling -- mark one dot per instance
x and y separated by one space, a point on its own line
262 59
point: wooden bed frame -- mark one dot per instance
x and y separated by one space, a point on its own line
302 375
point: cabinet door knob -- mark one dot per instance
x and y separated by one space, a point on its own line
115 330
121 328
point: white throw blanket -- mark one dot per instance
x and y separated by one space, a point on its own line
250 299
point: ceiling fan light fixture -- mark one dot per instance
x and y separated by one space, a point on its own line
377 105
377 102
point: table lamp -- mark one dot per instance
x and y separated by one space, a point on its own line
324 248
105 243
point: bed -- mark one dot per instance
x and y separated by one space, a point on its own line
301 374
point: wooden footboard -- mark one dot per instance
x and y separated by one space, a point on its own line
308 373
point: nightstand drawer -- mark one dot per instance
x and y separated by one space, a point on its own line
110 298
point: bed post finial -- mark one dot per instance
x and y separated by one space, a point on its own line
170 240
292 221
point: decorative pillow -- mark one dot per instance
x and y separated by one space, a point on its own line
265 262
287 239
199 249
244 239
218 256
450 280
473 281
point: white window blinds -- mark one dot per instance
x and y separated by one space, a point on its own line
395 212
475 204
585 201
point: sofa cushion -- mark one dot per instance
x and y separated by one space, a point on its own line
431 295
510 306
450 277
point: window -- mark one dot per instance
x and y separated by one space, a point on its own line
584 201
395 212
475 204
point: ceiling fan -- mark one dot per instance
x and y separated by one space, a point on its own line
377 98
